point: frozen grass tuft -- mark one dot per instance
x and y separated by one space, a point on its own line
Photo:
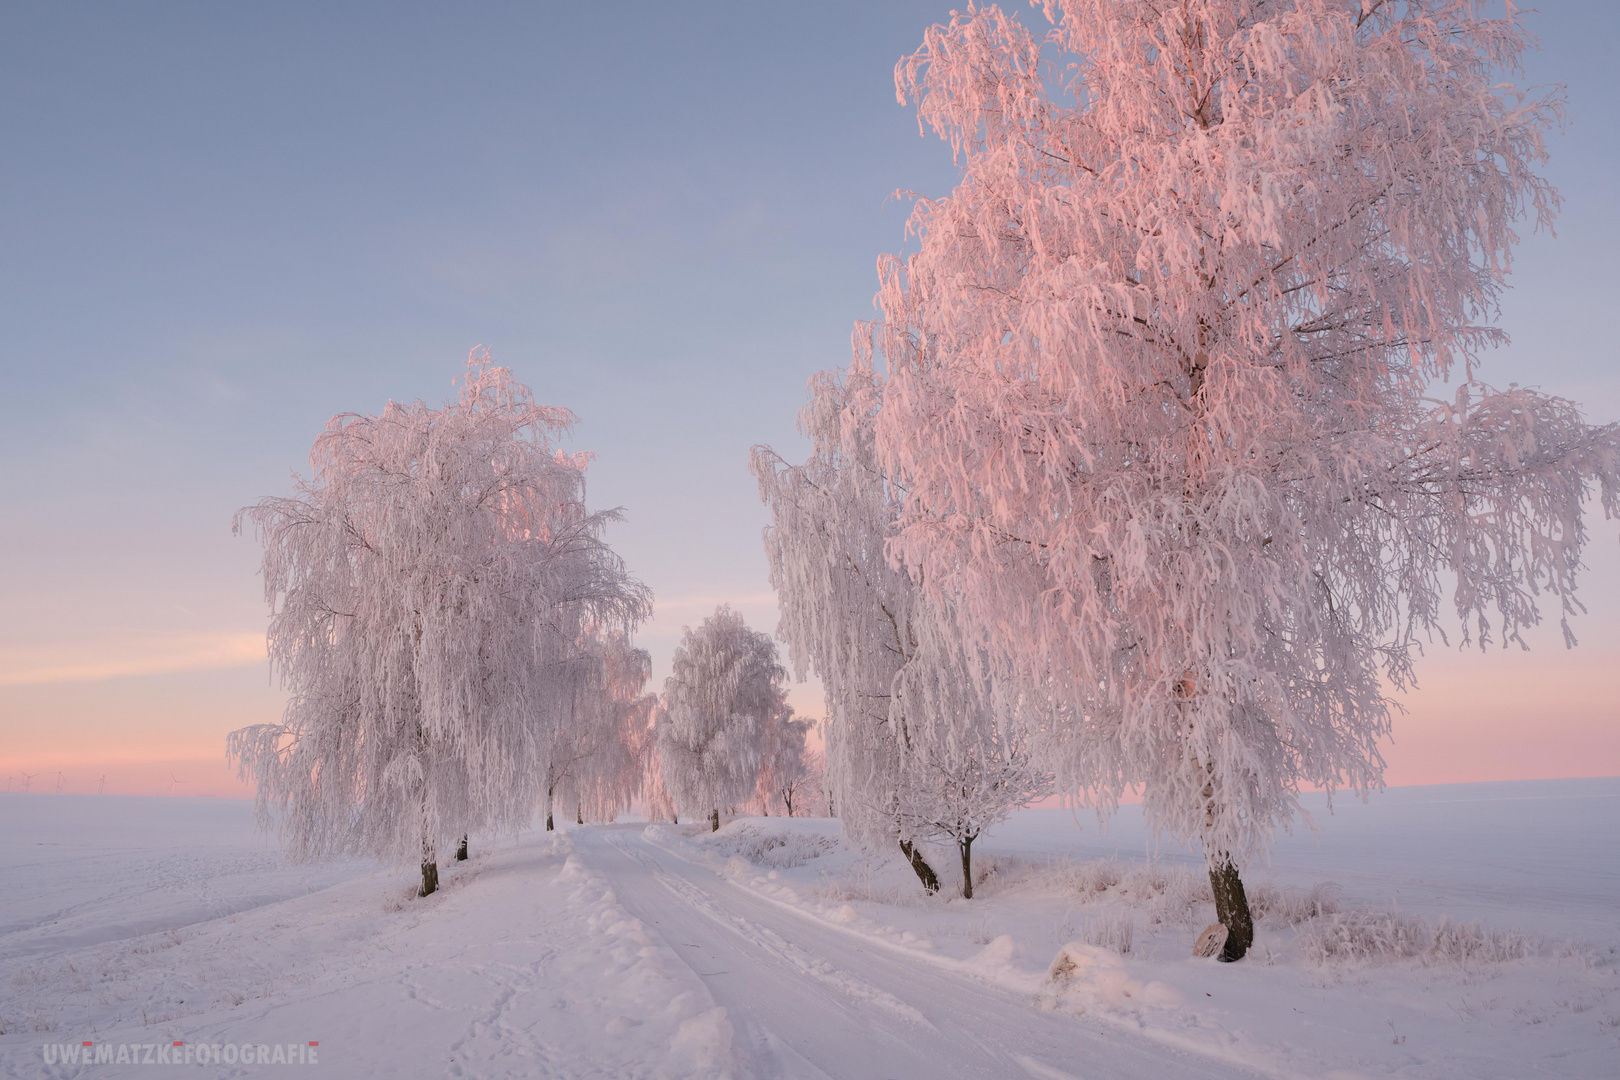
1172 895
1364 937
1111 932
1577 953
1180 895
1293 906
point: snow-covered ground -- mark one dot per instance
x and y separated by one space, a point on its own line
1464 931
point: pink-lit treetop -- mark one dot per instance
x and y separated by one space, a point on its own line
1161 386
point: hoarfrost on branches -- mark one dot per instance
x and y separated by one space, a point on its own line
428 585
918 746
1160 400
595 767
781 760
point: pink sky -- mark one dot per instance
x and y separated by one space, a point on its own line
152 709
233 222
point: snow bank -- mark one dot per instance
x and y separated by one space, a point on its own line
1482 979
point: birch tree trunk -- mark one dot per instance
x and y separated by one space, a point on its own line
919 865
1231 909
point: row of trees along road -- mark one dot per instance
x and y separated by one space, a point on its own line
1145 478
455 636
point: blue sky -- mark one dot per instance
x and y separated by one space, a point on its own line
222 224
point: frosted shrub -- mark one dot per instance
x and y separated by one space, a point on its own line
775 850
1573 950
1092 879
1469 943
1365 937
1185 900
1361 936
1000 872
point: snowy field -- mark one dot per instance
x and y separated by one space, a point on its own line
1462 931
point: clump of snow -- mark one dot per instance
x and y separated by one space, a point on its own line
1001 954
702 1046
1084 976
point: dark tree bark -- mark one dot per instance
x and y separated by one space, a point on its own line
674 818
787 800
461 849
549 826
714 821
925 873
430 877
965 846
1232 910
579 815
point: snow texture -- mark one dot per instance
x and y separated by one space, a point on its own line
773 949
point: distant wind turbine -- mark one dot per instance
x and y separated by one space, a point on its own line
173 782
28 780
59 782
101 785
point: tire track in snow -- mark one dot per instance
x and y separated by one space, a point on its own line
774 944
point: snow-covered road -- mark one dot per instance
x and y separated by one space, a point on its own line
635 952
599 952
809 1001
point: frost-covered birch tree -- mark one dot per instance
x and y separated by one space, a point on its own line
725 686
426 585
1163 384
917 746
657 804
597 767
807 796
968 776
781 759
